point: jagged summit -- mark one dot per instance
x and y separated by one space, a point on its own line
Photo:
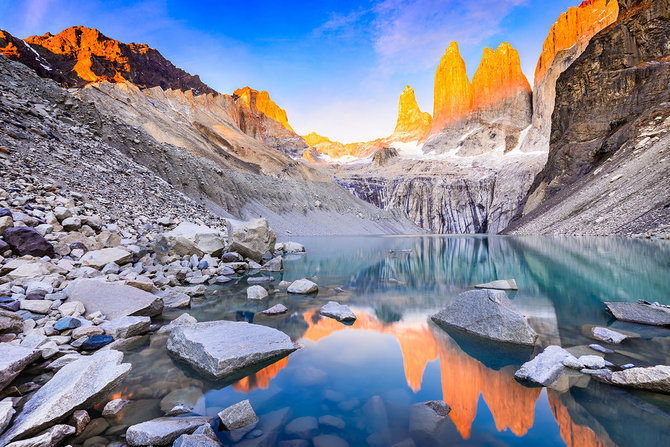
452 91
259 101
498 77
79 55
412 123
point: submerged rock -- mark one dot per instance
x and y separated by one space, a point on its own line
640 313
608 335
237 416
162 431
302 287
652 378
221 348
338 311
303 427
489 314
256 293
500 284
76 386
276 310
545 368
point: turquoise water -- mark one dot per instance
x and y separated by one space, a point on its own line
372 374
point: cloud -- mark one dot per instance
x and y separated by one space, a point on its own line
412 35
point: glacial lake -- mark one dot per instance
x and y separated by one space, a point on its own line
371 374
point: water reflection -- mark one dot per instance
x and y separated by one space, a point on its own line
370 374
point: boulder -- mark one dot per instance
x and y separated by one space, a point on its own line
76 386
608 335
237 416
642 313
221 348
500 284
50 437
162 431
181 320
100 258
273 265
195 441
256 293
545 368
652 378
251 239
27 241
124 327
6 413
289 247
114 300
302 287
13 359
303 427
114 407
489 314
276 310
10 322
338 311
188 239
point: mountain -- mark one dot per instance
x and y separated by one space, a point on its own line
412 123
452 91
610 130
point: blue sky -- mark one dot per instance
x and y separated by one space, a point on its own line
337 67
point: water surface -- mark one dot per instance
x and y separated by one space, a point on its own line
373 373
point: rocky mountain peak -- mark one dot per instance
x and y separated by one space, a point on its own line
453 91
79 55
412 123
261 102
582 22
498 77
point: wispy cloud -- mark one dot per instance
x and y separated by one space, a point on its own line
413 34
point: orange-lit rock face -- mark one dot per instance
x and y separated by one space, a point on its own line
412 123
498 77
7 47
79 55
453 91
261 102
582 22
573 434
335 149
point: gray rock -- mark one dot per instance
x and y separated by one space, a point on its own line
273 265
251 239
608 335
237 416
269 426
114 407
36 306
76 386
260 279
114 300
195 441
48 438
162 431
599 348
176 300
652 378
329 441
276 310
100 258
592 361
572 363
440 407
640 313
13 359
206 429
500 284
80 420
220 348
303 287
489 314
6 413
181 320
124 327
10 322
303 427
192 239
338 311
545 368
256 293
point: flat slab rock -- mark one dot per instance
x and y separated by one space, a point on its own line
640 313
338 311
114 300
13 360
78 385
163 431
500 284
608 335
220 348
489 314
100 258
545 368
237 416
652 378
302 287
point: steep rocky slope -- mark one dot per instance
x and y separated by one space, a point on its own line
608 162
153 148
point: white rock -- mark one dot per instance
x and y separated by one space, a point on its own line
302 287
36 306
188 238
100 258
72 309
256 293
